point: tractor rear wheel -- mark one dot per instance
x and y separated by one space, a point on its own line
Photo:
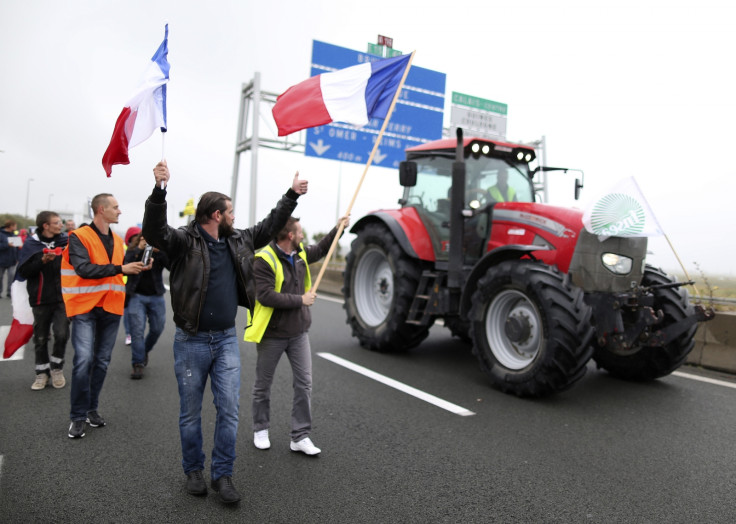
379 286
531 328
651 362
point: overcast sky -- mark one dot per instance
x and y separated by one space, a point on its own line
643 88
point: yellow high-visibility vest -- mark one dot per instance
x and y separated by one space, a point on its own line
262 314
498 197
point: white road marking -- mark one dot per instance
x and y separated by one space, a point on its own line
458 410
705 379
18 355
331 299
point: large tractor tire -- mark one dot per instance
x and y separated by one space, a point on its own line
379 286
531 328
651 362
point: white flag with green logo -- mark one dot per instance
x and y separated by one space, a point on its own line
621 212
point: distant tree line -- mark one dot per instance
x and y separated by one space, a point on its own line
23 222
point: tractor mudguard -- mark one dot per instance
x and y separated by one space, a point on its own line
406 227
492 258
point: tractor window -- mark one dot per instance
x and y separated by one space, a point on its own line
495 180
431 193
431 198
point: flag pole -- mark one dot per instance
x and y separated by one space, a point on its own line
687 277
341 225
661 229
163 152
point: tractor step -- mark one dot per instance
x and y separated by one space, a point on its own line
425 299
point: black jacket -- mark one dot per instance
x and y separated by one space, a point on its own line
160 261
43 281
189 257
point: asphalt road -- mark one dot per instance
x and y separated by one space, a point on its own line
605 451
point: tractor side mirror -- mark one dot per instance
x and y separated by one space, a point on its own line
408 174
578 187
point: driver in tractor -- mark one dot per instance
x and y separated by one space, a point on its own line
502 192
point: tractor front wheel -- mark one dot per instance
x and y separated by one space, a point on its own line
531 328
651 362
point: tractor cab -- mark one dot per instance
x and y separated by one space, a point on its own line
495 172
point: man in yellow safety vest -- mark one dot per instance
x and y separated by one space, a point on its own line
280 324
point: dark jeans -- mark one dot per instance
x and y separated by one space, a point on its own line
215 355
93 337
10 270
139 308
48 318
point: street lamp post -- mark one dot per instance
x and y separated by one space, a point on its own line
28 193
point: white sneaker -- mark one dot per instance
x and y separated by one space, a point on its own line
260 439
305 446
41 380
57 378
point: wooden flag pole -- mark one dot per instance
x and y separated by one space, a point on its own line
341 225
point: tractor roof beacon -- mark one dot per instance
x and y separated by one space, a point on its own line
524 282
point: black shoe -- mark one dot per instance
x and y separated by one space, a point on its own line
95 420
224 486
76 429
196 484
137 372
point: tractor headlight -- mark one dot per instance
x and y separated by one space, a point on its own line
618 264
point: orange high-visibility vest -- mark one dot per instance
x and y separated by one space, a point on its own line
82 294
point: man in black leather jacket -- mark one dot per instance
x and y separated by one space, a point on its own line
211 274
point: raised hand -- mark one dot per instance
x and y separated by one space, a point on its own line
299 186
161 173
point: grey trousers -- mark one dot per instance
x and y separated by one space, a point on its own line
300 357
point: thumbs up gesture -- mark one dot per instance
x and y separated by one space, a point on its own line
299 186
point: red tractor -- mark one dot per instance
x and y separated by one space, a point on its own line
525 282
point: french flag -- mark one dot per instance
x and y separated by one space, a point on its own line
21 329
143 113
353 95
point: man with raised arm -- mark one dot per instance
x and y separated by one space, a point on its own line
211 275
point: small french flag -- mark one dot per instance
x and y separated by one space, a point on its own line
353 95
143 113
21 329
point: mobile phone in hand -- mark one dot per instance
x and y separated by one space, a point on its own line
147 255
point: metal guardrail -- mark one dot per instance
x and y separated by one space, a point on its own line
721 301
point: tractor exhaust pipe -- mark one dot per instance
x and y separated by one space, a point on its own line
457 229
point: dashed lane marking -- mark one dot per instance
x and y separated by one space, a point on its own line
453 408
705 379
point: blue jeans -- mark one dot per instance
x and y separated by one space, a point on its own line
126 321
139 308
93 337
216 354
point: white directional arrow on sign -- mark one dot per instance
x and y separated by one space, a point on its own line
319 147
379 157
